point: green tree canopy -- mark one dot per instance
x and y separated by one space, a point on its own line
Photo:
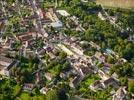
52 95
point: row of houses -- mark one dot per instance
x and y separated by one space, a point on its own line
6 65
102 84
84 67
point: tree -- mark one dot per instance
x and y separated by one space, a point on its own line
58 68
123 81
62 95
62 55
52 95
131 86
123 70
36 91
22 79
110 60
13 71
66 65
10 1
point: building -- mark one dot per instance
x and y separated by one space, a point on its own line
94 45
102 84
26 38
28 53
101 16
75 19
85 1
102 75
85 71
110 82
131 38
96 85
120 94
6 64
63 13
37 78
51 14
40 13
75 82
40 52
100 56
122 61
57 24
63 75
49 76
44 90
106 70
28 87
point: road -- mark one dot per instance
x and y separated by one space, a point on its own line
38 19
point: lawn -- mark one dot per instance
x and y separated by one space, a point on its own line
26 96
87 81
84 86
16 89
90 79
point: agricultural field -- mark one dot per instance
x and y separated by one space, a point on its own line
117 3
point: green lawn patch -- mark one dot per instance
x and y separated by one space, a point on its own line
26 96
17 89
87 81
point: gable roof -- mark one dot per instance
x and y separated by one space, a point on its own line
86 70
12 64
96 83
28 86
110 80
5 59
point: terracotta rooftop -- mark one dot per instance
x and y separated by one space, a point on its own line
106 82
96 83
5 59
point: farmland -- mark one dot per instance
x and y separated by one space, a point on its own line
117 3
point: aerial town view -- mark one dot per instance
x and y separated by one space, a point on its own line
66 49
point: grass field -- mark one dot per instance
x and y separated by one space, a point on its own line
26 96
117 3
